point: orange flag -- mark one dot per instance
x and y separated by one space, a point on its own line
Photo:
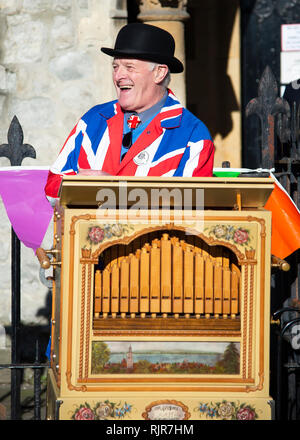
285 222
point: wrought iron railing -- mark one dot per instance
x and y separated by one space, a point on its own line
280 149
16 151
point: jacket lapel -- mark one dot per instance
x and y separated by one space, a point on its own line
115 132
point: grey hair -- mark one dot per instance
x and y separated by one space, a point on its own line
166 81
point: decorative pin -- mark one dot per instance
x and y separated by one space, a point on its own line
142 158
133 121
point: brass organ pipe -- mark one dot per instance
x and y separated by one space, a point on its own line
168 276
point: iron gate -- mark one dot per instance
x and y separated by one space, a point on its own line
280 149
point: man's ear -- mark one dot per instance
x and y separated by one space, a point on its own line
160 73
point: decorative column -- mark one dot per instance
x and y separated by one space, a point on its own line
169 15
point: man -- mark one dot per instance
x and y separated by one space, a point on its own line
146 131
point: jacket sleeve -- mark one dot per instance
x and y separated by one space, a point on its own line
53 184
67 160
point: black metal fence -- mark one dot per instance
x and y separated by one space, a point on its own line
280 149
16 151
287 165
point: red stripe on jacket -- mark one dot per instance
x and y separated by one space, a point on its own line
206 160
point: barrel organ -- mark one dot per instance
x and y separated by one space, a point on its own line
165 316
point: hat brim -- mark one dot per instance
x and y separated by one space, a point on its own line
173 63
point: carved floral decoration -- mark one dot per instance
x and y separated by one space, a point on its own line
101 411
96 234
236 235
228 411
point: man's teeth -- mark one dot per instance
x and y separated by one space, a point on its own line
125 87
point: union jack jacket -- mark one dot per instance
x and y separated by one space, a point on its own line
175 143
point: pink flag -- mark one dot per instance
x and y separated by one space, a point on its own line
28 210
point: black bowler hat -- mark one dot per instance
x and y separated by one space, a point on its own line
146 42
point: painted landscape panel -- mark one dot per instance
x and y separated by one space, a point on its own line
165 357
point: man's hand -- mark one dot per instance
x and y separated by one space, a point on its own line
83 172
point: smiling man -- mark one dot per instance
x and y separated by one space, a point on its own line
146 131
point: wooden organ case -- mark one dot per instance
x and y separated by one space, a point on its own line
161 299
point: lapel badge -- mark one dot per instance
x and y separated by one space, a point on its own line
142 158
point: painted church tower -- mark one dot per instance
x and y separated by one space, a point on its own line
129 358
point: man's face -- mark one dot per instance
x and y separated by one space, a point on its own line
136 84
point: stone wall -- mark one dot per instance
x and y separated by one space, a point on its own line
51 72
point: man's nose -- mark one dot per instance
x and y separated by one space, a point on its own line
119 73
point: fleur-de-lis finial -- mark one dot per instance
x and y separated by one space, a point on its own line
15 150
267 105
